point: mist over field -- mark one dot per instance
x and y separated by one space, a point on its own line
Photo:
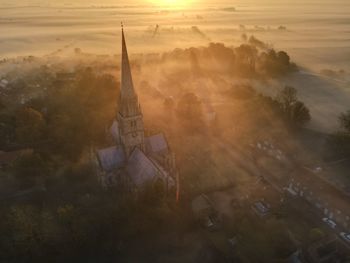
315 34
203 131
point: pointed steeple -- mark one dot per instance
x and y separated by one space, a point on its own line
130 119
127 90
128 98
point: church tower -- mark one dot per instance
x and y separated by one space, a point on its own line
130 119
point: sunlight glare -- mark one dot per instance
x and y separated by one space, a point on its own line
172 3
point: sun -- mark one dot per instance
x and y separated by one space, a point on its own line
172 3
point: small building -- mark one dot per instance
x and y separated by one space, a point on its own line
261 209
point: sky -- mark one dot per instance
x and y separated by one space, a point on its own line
197 2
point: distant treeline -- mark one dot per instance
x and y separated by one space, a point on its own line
253 59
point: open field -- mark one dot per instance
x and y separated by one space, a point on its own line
317 37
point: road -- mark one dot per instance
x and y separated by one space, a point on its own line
247 160
318 185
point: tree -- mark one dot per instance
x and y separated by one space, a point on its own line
315 234
241 92
283 58
274 64
300 114
287 97
2 106
294 112
169 104
257 43
66 213
30 125
340 140
246 58
28 168
7 128
23 221
70 134
190 106
195 65
344 120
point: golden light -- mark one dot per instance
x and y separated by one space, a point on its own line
172 3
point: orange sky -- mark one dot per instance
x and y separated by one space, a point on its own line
172 2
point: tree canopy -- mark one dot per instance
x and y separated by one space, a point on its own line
295 113
344 120
30 125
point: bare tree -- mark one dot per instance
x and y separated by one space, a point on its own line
294 111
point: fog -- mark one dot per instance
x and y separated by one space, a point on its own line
316 36
231 85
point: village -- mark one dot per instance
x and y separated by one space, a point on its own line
246 197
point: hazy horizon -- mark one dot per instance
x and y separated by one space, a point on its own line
317 37
254 2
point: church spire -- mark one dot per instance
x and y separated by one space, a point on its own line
130 119
128 98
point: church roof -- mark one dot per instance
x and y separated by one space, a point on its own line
111 158
156 143
141 169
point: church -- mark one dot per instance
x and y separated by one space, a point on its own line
134 160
